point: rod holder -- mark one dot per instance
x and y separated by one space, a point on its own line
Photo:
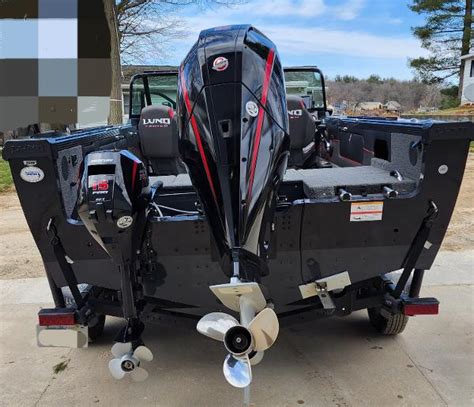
344 195
389 193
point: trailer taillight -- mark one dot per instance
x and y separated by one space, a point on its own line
421 306
56 316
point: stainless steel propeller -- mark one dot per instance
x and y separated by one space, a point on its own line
242 342
128 361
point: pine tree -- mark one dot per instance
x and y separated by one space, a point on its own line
447 35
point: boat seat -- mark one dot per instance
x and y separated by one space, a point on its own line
302 132
158 133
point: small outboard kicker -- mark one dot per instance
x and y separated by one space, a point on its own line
113 194
112 202
234 140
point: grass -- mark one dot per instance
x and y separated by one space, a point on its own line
6 181
61 366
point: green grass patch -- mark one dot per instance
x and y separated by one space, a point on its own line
6 180
61 366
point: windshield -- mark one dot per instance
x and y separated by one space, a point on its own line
308 85
163 91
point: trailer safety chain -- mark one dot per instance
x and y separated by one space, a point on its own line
64 265
416 248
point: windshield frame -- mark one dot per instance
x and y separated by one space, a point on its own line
323 84
144 76
174 72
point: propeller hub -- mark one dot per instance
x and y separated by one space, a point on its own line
128 365
238 340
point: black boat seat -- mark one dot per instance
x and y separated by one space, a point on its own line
322 182
158 134
302 132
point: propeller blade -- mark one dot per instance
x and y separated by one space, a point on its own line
237 371
115 367
119 349
143 354
257 358
216 324
264 328
139 374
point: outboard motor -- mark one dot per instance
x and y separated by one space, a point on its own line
234 140
112 202
112 197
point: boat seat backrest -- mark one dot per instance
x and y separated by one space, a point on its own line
158 132
302 125
302 131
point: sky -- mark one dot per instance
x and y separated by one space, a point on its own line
342 37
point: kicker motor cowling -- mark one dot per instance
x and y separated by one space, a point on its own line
234 139
113 193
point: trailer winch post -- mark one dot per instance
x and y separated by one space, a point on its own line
56 292
415 251
64 266
416 282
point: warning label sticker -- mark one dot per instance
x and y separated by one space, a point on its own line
366 211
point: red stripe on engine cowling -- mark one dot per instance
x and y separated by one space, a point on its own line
261 115
134 174
198 136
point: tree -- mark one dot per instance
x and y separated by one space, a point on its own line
140 30
115 109
447 35
410 94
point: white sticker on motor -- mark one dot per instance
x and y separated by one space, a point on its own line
366 211
124 222
31 174
251 108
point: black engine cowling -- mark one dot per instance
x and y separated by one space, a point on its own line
112 200
234 139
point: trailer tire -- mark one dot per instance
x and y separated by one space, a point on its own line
96 330
393 325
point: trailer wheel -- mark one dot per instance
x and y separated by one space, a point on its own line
96 330
391 325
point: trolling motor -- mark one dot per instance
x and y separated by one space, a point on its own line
112 202
234 140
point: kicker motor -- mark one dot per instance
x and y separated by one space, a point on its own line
112 205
